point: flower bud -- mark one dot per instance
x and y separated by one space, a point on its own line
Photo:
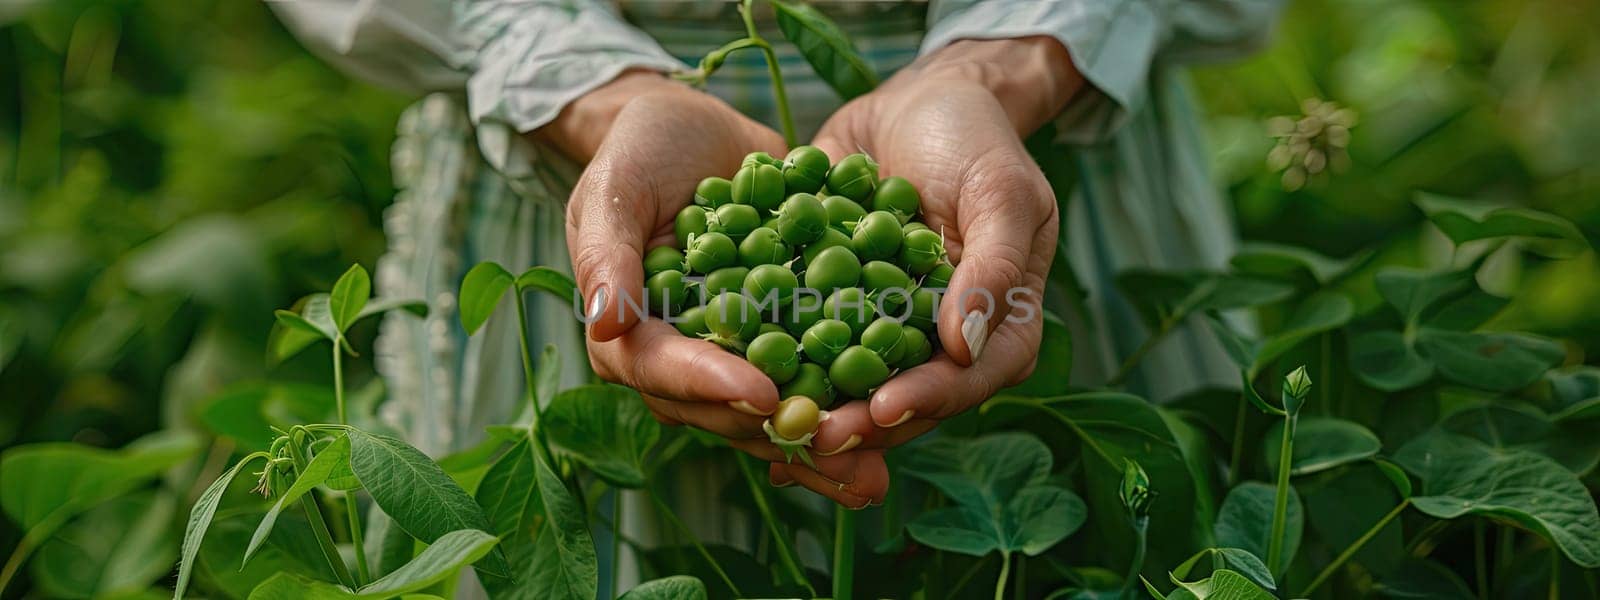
1136 493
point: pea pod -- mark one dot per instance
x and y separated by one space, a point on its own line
855 177
713 192
857 372
776 354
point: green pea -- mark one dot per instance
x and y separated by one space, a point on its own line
801 312
876 236
767 328
924 310
773 283
852 306
764 247
760 186
832 269
691 221
810 381
709 252
918 348
713 192
824 341
939 277
855 177
726 279
805 169
801 220
915 226
796 418
731 320
734 220
665 292
898 197
692 322
921 251
842 212
857 371
830 237
776 354
759 158
886 337
883 280
662 258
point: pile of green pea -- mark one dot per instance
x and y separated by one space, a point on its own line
832 244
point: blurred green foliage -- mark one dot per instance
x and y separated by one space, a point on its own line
171 171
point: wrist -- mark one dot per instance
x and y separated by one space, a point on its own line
1032 78
583 123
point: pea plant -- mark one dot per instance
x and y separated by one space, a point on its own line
1391 433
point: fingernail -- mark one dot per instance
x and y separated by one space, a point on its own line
749 409
779 484
597 304
864 505
853 441
905 416
975 330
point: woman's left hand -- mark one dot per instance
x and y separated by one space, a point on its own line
952 124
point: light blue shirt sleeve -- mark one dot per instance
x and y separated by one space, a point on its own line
1114 44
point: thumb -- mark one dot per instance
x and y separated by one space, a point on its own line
996 243
608 223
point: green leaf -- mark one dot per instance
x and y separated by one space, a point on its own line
378 306
289 334
388 546
349 296
114 550
415 492
1411 291
1575 392
826 47
1114 427
82 476
1383 360
1497 362
315 474
1342 504
1050 376
1513 427
1319 313
1466 312
291 586
677 587
1322 443
439 560
1284 261
1237 559
1423 579
551 281
1225 585
1462 476
1245 521
1174 295
1004 499
200 519
605 428
551 553
292 548
481 291
1464 221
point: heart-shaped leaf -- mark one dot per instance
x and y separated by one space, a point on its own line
826 47
605 428
1412 291
1497 362
1003 499
1462 476
1245 521
677 587
1465 221
1322 443
481 291
350 294
1509 426
415 492
1383 360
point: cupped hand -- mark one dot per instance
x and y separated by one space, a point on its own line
648 142
953 125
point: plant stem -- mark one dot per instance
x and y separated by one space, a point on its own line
1005 571
1144 348
779 541
1236 459
778 94
844 553
694 540
1351 550
313 510
1555 574
616 538
965 577
1141 529
1020 590
1280 508
338 378
352 511
1480 561
30 541
1505 548
527 372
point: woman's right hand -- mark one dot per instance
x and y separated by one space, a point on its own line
648 142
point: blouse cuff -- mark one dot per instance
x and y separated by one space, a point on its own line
1112 44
